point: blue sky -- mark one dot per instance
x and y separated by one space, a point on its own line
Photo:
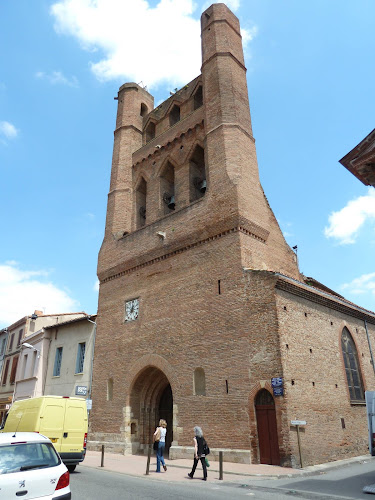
311 82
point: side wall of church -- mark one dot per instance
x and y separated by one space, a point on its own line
316 388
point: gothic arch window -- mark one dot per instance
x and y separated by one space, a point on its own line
197 174
167 188
199 382
144 109
140 199
264 398
352 368
150 131
198 98
174 115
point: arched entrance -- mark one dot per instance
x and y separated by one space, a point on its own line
151 399
267 428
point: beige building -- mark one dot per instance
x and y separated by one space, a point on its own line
20 332
57 360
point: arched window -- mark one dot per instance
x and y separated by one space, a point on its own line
167 188
198 98
264 398
140 198
150 131
174 115
197 174
143 110
352 369
199 382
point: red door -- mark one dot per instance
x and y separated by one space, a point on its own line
267 428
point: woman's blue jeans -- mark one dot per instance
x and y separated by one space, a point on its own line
159 456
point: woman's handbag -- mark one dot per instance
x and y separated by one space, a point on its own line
207 462
156 438
206 449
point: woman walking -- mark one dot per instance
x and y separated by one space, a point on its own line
159 435
199 442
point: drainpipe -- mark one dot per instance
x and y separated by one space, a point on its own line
92 357
369 346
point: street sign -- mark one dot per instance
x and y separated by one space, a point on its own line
277 382
81 390
298 422
278 391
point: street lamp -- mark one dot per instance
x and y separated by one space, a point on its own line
29 346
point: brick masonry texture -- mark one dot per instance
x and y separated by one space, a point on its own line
218 287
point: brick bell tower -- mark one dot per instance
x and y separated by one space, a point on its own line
186 214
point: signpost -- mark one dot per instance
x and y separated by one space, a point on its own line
297 423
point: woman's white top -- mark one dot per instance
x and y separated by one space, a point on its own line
163 433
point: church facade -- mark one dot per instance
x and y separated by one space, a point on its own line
204 317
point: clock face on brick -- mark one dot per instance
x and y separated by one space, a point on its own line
131 309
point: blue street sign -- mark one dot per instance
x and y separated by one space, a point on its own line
277 382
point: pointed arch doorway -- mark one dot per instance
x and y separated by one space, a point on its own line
151 399
267 428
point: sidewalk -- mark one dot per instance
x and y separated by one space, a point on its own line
135 465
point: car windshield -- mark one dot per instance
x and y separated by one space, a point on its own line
27 456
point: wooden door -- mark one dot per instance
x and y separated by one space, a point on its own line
267 428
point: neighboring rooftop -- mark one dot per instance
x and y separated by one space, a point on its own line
360 161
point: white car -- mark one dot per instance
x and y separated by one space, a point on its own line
30 468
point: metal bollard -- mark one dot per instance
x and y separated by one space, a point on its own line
220 465
102 460
148 460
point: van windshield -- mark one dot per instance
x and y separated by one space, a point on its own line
27 456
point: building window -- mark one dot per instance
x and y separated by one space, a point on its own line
11 342
167 188
197 174
5 374
198 98
24 366
58 359
2 350
199 382
110 389
352 369
19 337
140 199
14 370
150 131
143 110
80 357
174 115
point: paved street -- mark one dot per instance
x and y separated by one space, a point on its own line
341 480
92 484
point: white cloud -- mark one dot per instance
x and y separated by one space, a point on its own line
133 41
96 286
21 292
359 286
8 130
345 224
57 78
